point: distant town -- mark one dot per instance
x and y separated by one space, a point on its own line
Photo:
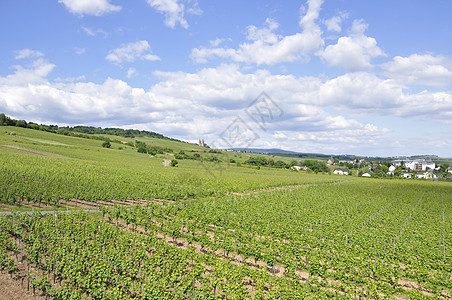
408 168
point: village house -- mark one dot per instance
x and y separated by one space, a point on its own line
406 175
420 175
298 168
415 165
340 171
430 175
391 170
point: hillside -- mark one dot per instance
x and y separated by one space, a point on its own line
116 223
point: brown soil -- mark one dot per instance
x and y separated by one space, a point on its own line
18 284
11 289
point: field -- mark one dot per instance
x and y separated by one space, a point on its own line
206 230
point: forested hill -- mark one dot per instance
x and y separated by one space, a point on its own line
66 130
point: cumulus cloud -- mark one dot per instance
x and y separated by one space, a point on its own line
27 53
267 47
90 7
131 52
420 69
426 105
315 130
204 103
34 74
353 52
334 23
367 93
361 92
174 10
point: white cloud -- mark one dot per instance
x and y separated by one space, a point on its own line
174 10
334 23
80 50
71 79
27 53
361 92
131 72
217 42
355 51
90 7
94 32
420 69
267 47
430 106
204 103
34 74
131 52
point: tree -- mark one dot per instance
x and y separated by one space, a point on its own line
384 169
106 144
21 123
293 162
316 166
174 163
143 150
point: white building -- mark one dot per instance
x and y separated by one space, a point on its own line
415 165
340 171
428 165
406 175
366 175
420 175
298 168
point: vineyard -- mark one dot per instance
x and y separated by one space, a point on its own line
215 233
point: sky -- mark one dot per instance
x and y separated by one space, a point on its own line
370 78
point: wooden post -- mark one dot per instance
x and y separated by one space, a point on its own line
21 251
54 268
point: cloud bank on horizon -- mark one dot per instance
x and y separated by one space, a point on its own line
348 79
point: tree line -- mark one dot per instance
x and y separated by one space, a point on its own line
67 130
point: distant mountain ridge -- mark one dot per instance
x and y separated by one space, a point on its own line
263 151
327 156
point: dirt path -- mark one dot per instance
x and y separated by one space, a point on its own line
23 149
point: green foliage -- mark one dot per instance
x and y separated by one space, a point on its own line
127 133
357 236
143 150
106 144
316 166
174 163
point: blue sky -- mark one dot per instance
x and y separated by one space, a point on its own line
349 76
